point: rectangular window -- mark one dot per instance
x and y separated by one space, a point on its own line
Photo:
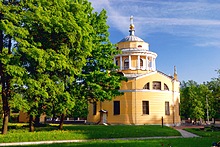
156 85
94 108
167 108
116 107
145 107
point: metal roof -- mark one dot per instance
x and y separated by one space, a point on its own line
131 38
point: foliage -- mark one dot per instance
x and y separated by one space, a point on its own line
196 99
191 105
80 109
10 70
214 87
55 51
61 54
99 79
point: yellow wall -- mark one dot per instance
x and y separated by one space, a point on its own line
123 45
131 103
24 117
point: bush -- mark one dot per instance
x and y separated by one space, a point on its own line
14 118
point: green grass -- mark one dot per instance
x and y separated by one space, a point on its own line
18 133
178 142
204 132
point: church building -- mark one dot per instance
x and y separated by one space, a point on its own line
150 96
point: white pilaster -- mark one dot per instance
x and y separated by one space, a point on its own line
114 61
152 63
147 62
150 66
120 62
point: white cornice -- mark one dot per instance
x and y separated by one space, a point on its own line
126 52
146 90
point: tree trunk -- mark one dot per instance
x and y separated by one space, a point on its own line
5 83
6 109
54 115
6 112
9 44
31 123
5 125
37 121
61 122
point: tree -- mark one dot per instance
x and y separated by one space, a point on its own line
197 100
214 87
99 79
10 71
53 43
192 100
56 48
186 97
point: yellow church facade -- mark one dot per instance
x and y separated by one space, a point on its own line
150 96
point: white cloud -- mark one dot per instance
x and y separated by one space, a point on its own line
198 19
205 44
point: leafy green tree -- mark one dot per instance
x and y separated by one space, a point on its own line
192 102
186 97
99 80
10 70
214 87
197 100
53 42
54 53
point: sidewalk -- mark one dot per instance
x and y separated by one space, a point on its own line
186 134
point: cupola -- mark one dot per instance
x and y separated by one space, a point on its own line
135 56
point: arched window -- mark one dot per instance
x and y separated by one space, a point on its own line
116 62
141 63
147 86
126 63
156 85
166 87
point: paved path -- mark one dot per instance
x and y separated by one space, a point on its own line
186 134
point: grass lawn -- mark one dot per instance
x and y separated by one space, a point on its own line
204 133
178 142
19 133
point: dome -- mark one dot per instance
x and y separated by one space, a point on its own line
131 38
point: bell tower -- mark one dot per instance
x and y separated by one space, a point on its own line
135 56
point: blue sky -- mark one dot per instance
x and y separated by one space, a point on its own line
184 33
